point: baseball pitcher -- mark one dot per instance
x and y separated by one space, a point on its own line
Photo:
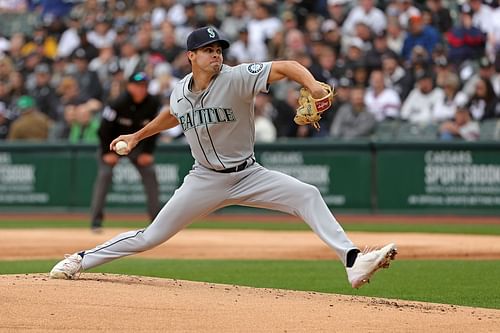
214 106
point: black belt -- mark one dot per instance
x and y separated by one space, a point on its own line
237 168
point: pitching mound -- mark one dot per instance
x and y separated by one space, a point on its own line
105 302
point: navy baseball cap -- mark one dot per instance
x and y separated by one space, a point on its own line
204 36
138 77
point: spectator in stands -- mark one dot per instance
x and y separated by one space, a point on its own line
332 36
440 15
117 82
276 47
354 56
381 101
380 48
6 117
167 46
325 69
70 39
6 67
442 69
264 127
18 85
130 60
236 20
486 71
295 43
17 41
482 16
462 127
419 106
365 34
285 112
209 14
493 42
312 26
103 34
353 120
72 102
14 7
83 122
263 26
163 82
44 94
168 10
484 103
41 42
101 65
445 110
395 35
337 11
5 93
31 123
361 74
290 22
88 80
91 51
465 41
343 90
406 10
241 51
419 34
365 11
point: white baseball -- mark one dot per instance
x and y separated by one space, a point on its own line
121 147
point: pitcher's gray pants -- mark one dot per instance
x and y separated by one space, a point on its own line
103 182
205 191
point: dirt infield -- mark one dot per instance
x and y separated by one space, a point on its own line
20 244
99 302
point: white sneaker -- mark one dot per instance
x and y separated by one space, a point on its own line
67 268
368 263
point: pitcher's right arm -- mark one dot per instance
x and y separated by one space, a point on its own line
163 121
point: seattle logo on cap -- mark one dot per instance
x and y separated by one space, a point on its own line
211 32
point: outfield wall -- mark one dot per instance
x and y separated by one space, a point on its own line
364 177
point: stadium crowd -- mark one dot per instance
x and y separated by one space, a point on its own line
431 66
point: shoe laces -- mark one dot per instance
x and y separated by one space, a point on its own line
368 249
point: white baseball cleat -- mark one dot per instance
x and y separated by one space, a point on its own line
368 263
67 268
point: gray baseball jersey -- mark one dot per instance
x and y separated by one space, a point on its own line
219 125
219 121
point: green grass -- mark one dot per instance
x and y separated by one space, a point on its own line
483 229
470 283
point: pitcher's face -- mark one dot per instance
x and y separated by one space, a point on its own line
208 58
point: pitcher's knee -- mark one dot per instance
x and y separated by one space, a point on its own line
147 243
310 192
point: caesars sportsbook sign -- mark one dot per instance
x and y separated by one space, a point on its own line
368 177
440 178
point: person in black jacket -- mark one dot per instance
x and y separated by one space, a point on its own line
128 113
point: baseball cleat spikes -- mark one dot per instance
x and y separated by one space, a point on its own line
368 262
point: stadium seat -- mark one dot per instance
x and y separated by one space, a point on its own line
490 129
386 130
416 132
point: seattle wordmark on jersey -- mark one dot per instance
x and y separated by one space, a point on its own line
205 116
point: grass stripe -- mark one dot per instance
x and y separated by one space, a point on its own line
480 229
470 283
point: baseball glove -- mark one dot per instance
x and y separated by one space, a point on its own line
310 109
